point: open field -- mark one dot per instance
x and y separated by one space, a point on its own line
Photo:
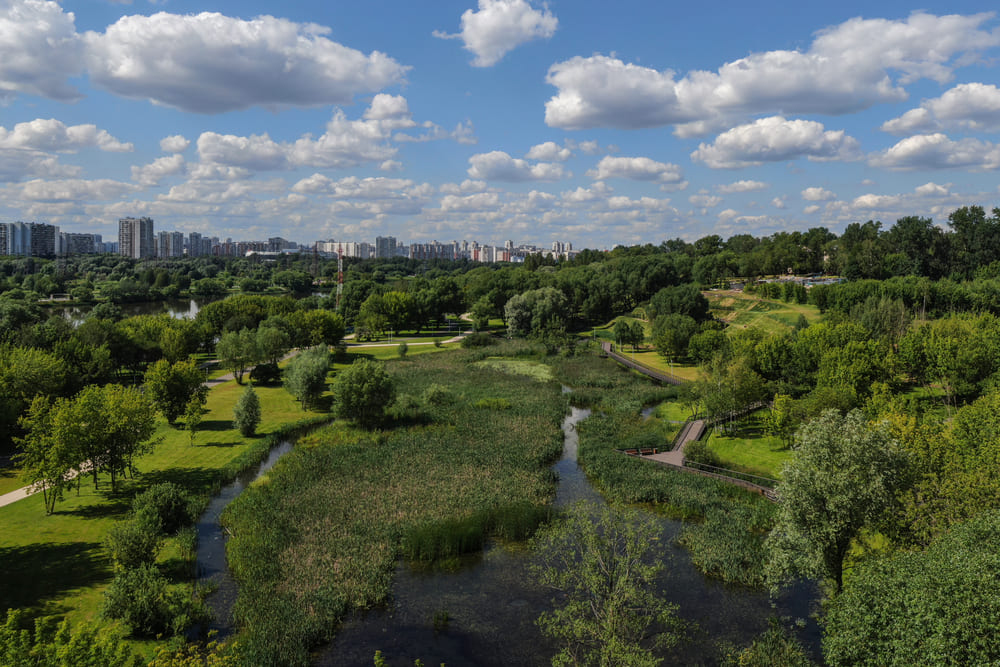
742 310
749 449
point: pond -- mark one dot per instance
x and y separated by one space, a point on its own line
483 612
176 308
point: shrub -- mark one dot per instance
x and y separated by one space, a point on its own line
134 543
168 503
437 394
478 339
246 412
305 377
403 349
139 597
362 392
266 375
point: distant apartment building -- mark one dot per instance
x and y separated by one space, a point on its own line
71 243
135 238
169 244
432 250
29 239
385 246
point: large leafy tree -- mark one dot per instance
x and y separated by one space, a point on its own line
940 606
602 564
362 392
172 386
305 376
845 475
237 351
102 428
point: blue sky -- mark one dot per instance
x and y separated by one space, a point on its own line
585 121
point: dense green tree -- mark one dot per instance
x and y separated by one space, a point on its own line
171 386
305 376
315 327
246 412
47 458
682 300
237 351
672 333
362 392
51 644
537 312
601 563
845 476
935 607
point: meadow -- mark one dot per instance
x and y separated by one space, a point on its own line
741 310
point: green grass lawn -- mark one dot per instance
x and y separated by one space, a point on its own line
672 411
741 310
653 359
750 450
10 480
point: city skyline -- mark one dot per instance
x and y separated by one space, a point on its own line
495 119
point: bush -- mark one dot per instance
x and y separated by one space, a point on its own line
437 394
266 375
246 412
134 543
168 503
403 349
362 392
478 339
139 597
305 377
493 404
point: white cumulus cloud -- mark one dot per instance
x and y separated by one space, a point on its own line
742 186
937 151
775 139
817 194
500 26
211 63
973 107
637 169
174 144
39 50
847 68
499 166
549 151
52 135
151 174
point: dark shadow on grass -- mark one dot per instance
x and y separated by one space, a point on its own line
192 479
31 576
115 508
215 425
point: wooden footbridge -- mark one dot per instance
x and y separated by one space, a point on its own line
691 431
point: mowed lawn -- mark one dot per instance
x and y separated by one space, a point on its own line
56 564
750 450
741 310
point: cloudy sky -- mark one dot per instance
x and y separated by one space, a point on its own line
587 121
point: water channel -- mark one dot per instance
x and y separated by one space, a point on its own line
483 612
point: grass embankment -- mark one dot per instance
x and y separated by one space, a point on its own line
466 458
57 564
741 310
726 525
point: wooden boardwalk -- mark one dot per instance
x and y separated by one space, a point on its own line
691 431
